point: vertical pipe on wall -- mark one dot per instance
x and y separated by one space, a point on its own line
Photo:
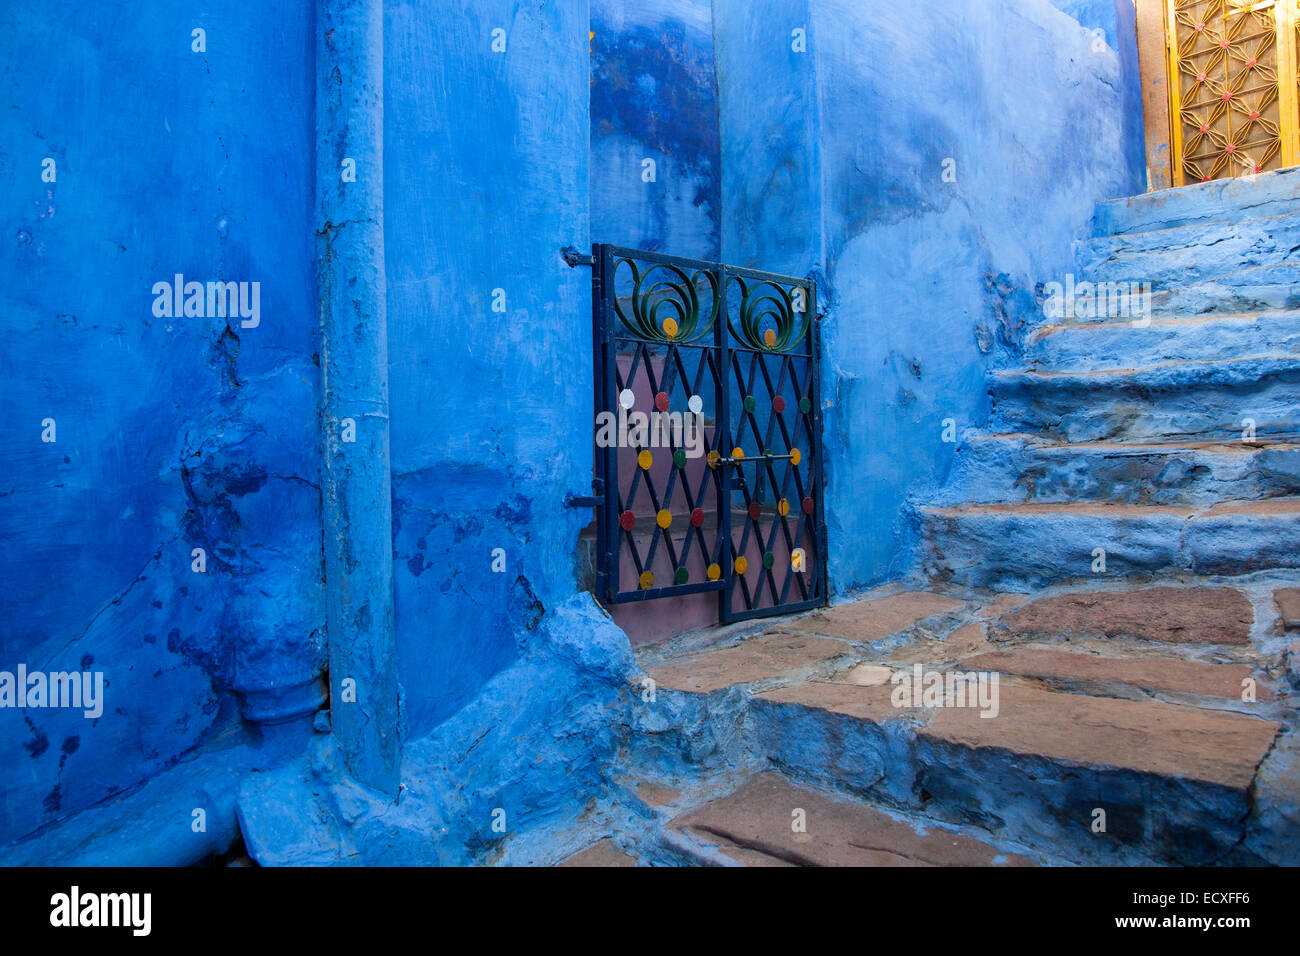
357 481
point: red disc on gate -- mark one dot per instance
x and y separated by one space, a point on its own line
627 521
755 512
808 506
697 517
778 404
661 401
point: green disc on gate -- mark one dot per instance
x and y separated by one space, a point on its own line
805 405
679 458
681 575
751 403
769 559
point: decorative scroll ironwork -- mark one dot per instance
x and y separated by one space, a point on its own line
677 297
772 317
1233 84
736 507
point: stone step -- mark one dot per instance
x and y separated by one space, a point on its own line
1102 676
1223 200
1203 401
770 821
1029 545
1163 615
1019 467
1165 258
1173 781
1263 288
1125 702
1119 345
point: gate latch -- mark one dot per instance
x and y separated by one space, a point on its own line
741 461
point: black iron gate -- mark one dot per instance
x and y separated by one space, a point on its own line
708 434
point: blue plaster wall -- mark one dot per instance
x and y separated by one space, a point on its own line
1115 22
171 433
767 95
653 96
485 178
927 284
932 282
182 433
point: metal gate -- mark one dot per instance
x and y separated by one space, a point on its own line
1233 86
708 434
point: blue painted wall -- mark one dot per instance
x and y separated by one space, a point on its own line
485 174
767 94
175 433
653 96
927 283
172 433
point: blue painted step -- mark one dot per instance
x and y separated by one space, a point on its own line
1206 401
1020 468
1022 547
1265 288
1122 344
1165 258
1224 200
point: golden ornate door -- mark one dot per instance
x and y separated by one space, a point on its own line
1234 87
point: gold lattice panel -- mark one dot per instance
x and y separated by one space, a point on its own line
1235 86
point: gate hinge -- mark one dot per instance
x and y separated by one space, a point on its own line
594 500
575 258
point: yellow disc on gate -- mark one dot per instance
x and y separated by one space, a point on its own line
769 338
783 507
647 580
670 328
664 519
741 565
714 572
645 460
713 459
738 453
796 456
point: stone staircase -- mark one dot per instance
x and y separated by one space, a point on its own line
1171 442
1120 548
1131 726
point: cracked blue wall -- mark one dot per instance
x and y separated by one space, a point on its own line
172 433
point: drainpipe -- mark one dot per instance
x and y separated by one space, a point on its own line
357 480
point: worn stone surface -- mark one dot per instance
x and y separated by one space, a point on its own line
763 657
1144 736
1273 831
1288 607
866 703
1165 614
868 675
759 817
1148 673
603 853
1019 467
1000 605
879 618
748 857
656 794
966 640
